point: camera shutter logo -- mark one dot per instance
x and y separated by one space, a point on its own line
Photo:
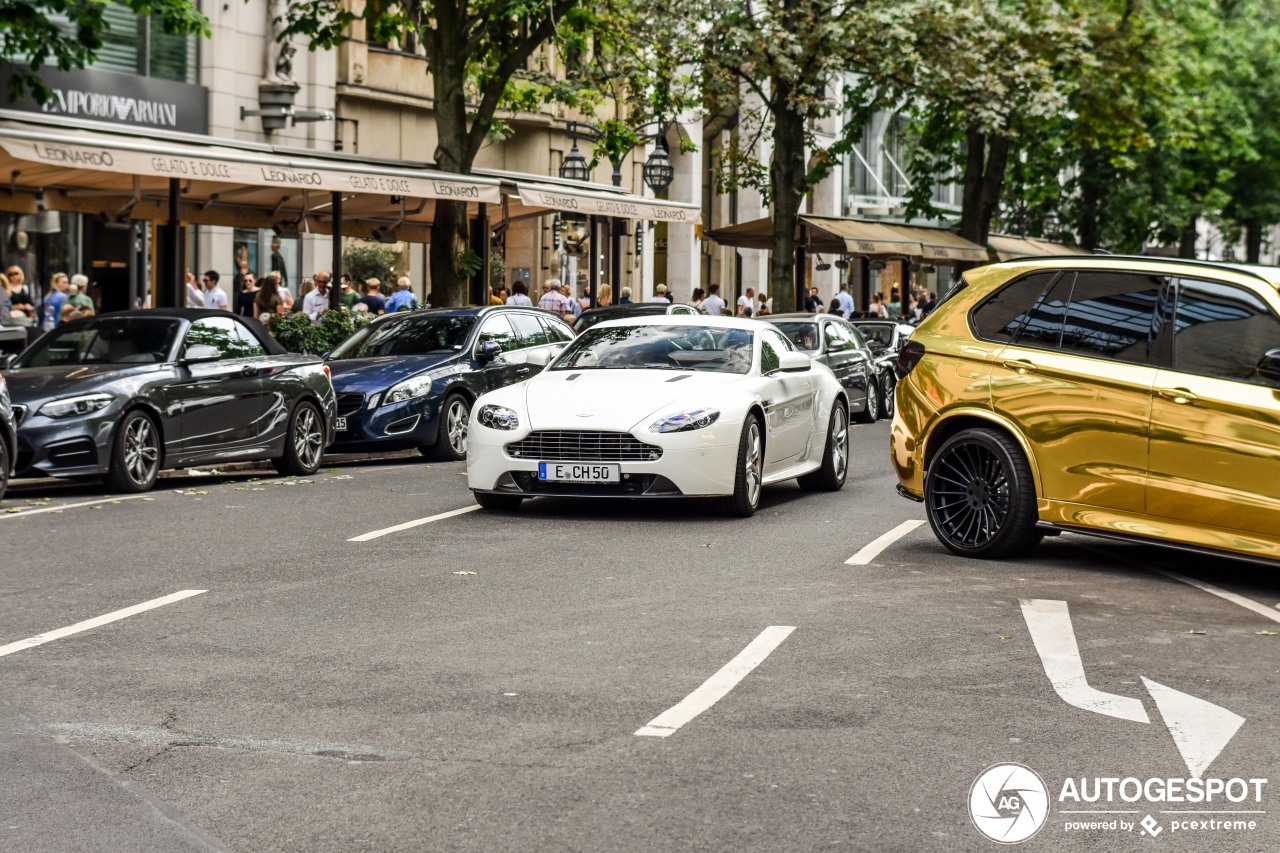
1008 803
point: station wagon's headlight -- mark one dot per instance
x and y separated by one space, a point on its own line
68 406
418 386
686 421
498 417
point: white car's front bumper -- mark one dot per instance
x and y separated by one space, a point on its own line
697 463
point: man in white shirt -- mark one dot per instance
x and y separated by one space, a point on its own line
316 302
661 294
195 296
747 300
213 295
713 305
845 300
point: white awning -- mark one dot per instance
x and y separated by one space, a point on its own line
587 202
58 155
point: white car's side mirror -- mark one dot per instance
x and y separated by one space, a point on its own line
794 362
539 358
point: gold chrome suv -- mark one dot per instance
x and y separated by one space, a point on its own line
1127 397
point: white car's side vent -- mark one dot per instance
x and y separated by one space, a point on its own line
571 377
678 378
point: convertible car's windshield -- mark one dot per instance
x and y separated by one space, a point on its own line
420 335
707 348
803 335
104 340
877 335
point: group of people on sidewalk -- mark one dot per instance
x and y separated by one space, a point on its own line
255 297
66 299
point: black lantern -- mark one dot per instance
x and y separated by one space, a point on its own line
658 171
574 167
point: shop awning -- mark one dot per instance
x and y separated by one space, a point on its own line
871 238
1007 247
596 203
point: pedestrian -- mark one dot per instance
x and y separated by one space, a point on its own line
894 307
268 300
606 296
195 296
51 309
845 302
520 295
279 268
697 299
660 294
552 300
213 295
20 302
812 303
747 299
835 307
572 306
247 294
78 293
713 305
67 313
304 288
876 309
402 299
930 302
745 311
499 296
372 298
624 296
316 301
764 305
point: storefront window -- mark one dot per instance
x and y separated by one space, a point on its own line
40 245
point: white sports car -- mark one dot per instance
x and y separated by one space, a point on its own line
663 406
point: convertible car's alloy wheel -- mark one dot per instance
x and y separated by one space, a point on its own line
304 443
455 417
749 479
4 467
871 412
135 455
887 389
980 496
835 456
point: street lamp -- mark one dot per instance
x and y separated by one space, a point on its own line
574 167
658 171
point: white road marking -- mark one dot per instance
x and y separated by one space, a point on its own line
717 686
1200 729
115 616
1049 623
408 525
61 507
872 550
1246 603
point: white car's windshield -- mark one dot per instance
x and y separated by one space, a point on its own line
707 348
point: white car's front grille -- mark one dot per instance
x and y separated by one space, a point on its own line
583 446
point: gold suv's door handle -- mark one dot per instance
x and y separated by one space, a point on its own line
1178 395
1021 365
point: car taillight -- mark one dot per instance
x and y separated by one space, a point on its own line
908 357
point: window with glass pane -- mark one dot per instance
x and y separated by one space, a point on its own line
1111 314
1222 331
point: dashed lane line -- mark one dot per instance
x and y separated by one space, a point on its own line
97 621
1247 603
872 550
408 525
60 507
717 686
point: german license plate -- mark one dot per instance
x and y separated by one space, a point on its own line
340 424
578 472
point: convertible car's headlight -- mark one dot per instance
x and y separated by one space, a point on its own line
498 417
418 386
83 405
686 421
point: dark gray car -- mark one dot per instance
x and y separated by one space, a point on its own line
885 338
8 436
834 341
127 394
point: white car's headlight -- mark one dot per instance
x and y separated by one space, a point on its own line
498 417
83 405
686 421
416 386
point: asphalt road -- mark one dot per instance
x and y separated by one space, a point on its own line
477 682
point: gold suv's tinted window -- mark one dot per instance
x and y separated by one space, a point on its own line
1222 331
1002 316
1110 314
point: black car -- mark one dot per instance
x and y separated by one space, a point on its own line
127 394
885 337
587 319
8 436
408 380
834 341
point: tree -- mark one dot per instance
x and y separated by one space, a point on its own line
68 34
486 58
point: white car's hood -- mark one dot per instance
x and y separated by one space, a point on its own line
617 399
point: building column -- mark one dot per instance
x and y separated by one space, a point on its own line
684 246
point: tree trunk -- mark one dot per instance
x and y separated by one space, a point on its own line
1187 243
1091 190
787 184
984 170
1253 241
449 233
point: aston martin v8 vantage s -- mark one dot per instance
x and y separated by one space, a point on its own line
663 407
126 394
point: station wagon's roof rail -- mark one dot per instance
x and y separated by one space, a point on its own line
1256 270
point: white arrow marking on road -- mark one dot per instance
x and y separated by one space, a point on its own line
1050 625
717 686
1200 729
106 618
